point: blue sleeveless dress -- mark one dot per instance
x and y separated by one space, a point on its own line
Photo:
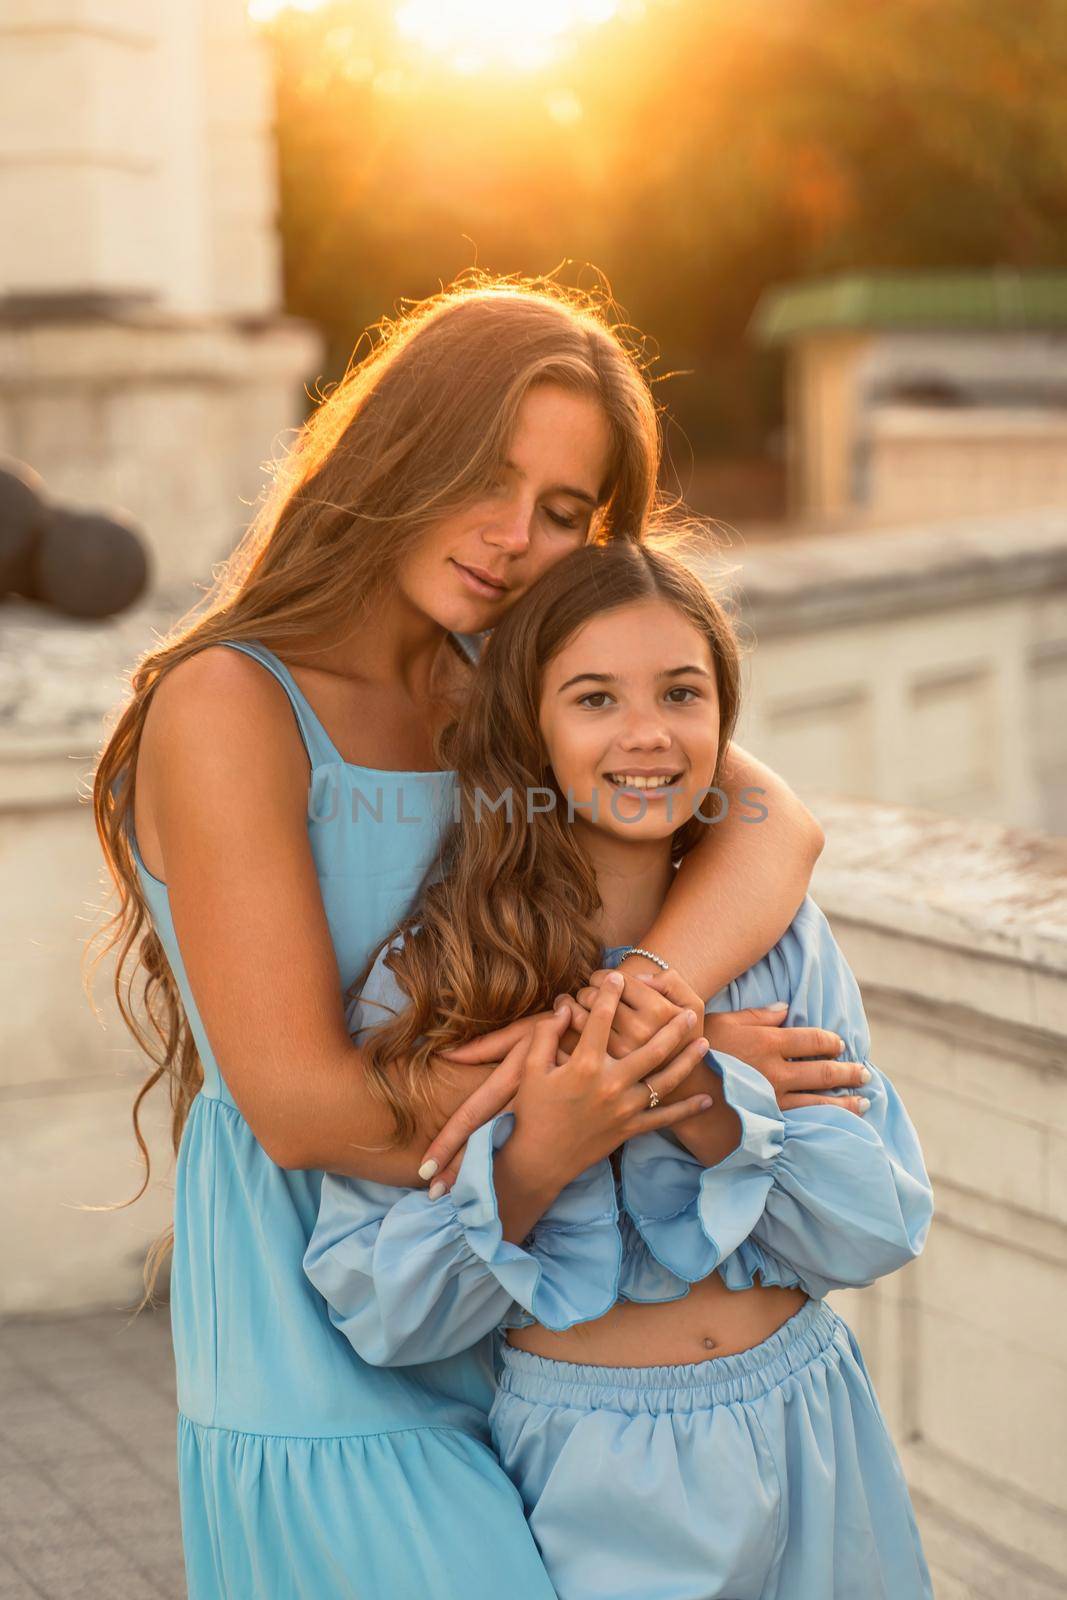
304 1473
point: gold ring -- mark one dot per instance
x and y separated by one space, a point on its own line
653 1097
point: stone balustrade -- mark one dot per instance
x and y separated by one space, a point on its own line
957 930
923 665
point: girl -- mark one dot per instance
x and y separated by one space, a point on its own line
488 432
681 1412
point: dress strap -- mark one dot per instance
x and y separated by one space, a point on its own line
320 747
472 644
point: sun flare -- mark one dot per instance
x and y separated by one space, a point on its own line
267 10
473 34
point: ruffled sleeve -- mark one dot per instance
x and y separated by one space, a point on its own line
692 1217
816 1195
409 1279
851 1200
568 1269
380 999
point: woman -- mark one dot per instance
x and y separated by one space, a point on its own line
491 431
683 1415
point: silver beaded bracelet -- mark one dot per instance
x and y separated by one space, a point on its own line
636 950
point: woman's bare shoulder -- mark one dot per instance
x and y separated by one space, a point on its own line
220 752
220 699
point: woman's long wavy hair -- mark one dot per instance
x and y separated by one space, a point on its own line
510 920
417 428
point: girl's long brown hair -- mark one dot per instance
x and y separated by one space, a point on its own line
417 427
510 921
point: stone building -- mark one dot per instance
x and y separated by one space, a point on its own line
921 394
144 359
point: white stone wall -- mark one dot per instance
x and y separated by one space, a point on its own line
920 460
242 182
135 153
67 1080
926 665
958 935
67 1077
81 93
171 421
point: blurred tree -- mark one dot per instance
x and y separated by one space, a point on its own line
693 150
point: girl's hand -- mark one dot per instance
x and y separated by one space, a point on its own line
641 1013
587 1075
799 1063
571 1116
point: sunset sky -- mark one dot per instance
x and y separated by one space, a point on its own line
478 35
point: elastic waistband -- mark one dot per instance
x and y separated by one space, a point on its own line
691 1387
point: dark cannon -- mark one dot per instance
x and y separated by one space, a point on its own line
82 563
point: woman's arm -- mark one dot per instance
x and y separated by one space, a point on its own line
224 773
735 895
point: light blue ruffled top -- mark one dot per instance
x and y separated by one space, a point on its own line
816 1197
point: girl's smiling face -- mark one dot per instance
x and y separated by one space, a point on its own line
630 719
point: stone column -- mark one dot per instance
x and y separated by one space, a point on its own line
144 359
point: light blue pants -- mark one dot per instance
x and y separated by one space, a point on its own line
767 1475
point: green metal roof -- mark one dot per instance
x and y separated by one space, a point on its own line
993 299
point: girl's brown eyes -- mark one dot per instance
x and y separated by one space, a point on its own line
602 694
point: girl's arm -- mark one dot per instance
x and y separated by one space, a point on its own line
735 895
841 1199
409 1279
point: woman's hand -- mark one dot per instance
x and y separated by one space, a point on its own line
799 1063
504 1051
493 1047
444 1157
601 1092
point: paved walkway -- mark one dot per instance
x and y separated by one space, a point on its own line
88 1497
